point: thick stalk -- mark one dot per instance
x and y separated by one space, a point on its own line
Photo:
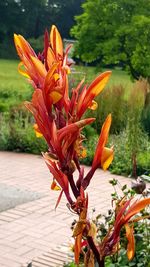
73 186
88 178
100 262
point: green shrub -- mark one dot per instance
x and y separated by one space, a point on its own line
37 44
4 131
122 163
143 162
112 100
17 134
145 120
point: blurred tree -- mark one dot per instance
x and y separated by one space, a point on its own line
10 18
66 13
115 32
31 17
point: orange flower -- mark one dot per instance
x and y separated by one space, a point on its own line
103 156
34 68
86 97
124 214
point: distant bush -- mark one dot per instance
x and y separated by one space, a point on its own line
11 97
17 134
37 44
122 163
143 160
112 100
145 120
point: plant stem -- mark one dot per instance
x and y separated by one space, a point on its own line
73 186
88 178
100 262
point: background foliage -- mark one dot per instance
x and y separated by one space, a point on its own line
115 33
31 17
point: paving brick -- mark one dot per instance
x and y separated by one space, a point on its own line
34 228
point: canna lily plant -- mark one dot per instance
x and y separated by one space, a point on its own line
59 120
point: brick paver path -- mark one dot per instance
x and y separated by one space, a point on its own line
30 229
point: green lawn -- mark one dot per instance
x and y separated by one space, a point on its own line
15 89
118 76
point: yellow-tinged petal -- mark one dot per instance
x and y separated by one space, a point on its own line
102 142
22 72
99 83
17 40
56 41
83 153
37 131
93 105
56 76
107 157
38 135
67 69
93 230
50 57
131 242
22 44
51 74
81 223
39 66
55 96
55 187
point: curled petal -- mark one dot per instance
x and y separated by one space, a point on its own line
131 242
39 66
136 207
23 47
87 96
107 157
50 57
93 105
99 83
55 96
101 144
21 71
37 131
55 186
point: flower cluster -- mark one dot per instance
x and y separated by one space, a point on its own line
58 114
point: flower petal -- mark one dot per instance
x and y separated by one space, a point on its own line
107 157
22 72
93 105
39 66
56 41
37 131
55 186
102 141
131 242
136 207
55 96
50 57
99 83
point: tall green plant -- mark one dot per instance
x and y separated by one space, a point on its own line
113 100
134 129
